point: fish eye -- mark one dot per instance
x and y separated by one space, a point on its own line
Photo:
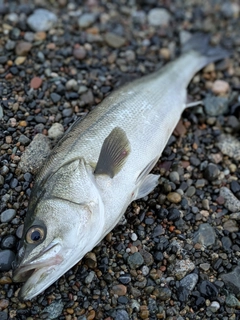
35 235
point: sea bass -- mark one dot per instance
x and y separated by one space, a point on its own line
100 166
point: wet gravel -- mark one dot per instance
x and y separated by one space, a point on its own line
176 254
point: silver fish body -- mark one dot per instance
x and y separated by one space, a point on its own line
98 168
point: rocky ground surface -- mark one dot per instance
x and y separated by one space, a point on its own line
176 255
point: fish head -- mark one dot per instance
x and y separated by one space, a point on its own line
62 229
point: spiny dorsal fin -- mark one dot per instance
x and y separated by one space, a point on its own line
114 152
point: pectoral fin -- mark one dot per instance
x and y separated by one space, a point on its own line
114 152
146 186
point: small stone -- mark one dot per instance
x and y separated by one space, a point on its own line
229 146
90 277
232 280
231 226
86 20
36 83
40 36
119 289
72 85
3 315
35 154
113 40
79 53
88 97
186 285
22 48
214 306
211 172
8 215
205 235
55 97
8 242
54 310
215 106
162 293
125 278
231 202
91 315
19 60
56 131
174 197
3 304
24 140
220 87
134 237
6 259
232 302
182 267
204 266
174 176
208 289
158 17
91 260
41 20
135 260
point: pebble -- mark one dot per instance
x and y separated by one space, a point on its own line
41 20
182 267
86 20
91 260
163 293
220 87
119 289
36 82
205 235
208 289
214 306
54 310
186 285
55 97
8 215
24 140
229 146
6 259
114 40
211 172
90 277
174 197
232 302
231 226
135 260
232 280
22 48
56 131
3 315
79 52
174 176
158 17
35 154
215 106
72 85
231 202
8 242
19 60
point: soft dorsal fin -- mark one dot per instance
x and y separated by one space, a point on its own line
114 152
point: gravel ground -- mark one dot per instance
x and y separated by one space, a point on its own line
176 254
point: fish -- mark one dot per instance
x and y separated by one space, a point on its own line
100 166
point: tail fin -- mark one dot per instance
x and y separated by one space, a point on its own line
200 42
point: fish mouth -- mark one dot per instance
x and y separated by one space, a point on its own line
36 273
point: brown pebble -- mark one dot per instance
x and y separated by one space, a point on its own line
220 87
19 60
144 312
70 310
22 48
36 83
8 139
4 304
91 315
51 46
174 197
119 289
79 52
23 123
5 280
41 35
180 129
91 260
